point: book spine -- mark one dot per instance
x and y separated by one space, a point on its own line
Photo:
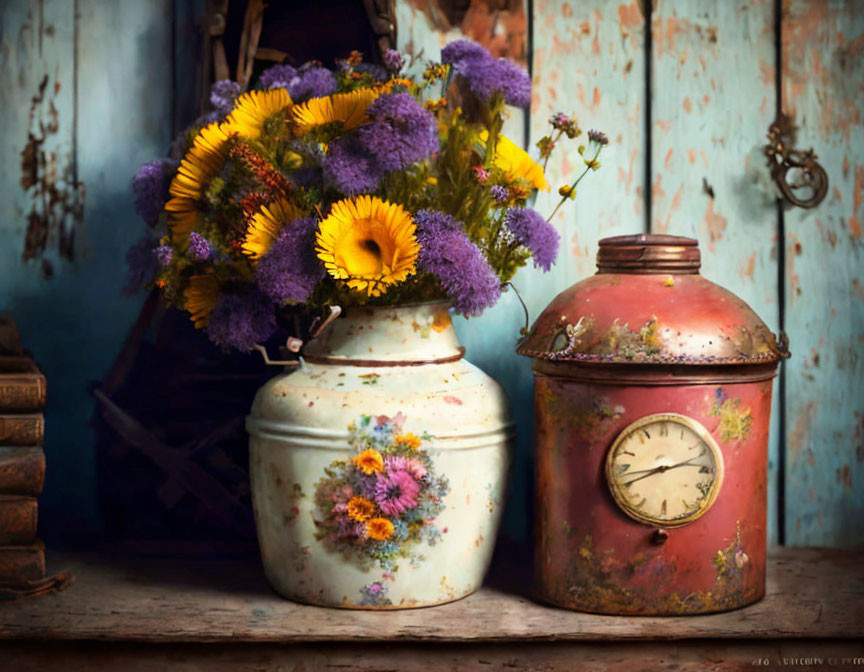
18 518
22 430
22 470
22 393
22 563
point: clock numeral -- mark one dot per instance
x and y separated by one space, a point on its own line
663 508
647 434
664 429
621 468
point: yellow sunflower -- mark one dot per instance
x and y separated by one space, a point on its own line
349 108
368 242
200 298
266 225
202 163
254 108
516 163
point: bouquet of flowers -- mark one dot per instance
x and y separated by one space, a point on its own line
359 185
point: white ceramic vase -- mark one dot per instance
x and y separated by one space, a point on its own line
379 466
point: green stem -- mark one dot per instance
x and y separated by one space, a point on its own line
573 186
549 155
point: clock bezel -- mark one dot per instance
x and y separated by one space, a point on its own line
699 429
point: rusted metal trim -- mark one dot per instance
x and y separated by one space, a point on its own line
373 363
683 360
638 374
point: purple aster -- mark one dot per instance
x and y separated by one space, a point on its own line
150 187
447 253
393 60
396 492
199 248
598 137
401 132
312 83
376 71
290 269
499 193
461 51
484 74
223 94
241 320
530 229
164 254
277 77
350 167
408 464
141 263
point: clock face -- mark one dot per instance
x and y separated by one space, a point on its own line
665 470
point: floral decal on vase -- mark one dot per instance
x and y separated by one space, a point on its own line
382 503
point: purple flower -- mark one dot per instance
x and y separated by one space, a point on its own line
375 588
199 248
290 269
500 194
460 51
393 60
350 167
150 187
376 71
312 83
446 252
277 77
396 492
223 94
141 263
598 137
401 132
484 74
241 320
530 229
164 254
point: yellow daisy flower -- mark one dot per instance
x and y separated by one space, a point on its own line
360 509
266 225
200 297
349 108
409 439
516 163
368 242
369 461
254 108
202 163
379 529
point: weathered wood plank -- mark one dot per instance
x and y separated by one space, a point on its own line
823 88
811 593
713 98
723 656
37 76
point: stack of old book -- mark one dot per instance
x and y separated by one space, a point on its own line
22 468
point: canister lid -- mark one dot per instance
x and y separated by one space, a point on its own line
648 304
648 253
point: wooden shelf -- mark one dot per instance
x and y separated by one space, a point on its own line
814 595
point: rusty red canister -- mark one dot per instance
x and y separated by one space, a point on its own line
652 390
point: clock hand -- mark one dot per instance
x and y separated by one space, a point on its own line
659 470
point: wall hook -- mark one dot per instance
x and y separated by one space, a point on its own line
807 175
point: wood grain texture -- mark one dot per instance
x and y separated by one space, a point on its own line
717 656
713 98
810 593
823 90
